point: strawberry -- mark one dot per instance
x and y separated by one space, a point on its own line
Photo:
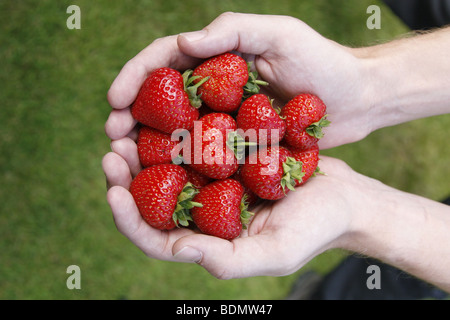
309 159
224 212
303 141
305 116
209 153
250 197
167 101
229 76
271 172
197 179
155 147
163 196
257 113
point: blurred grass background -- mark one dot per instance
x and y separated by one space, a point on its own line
52 192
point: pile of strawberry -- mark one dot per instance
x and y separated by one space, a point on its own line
211 145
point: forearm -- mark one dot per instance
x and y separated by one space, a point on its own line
407 231
407 79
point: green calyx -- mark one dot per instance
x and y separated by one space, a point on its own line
318 171
245 214
182 213
315 129
253 84
292 171
236 143
191 88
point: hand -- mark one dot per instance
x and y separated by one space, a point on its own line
343 209
354 212
287 53
282 237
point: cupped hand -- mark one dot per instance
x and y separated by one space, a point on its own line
286 52
281 238
293 58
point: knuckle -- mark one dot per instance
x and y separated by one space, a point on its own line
227 18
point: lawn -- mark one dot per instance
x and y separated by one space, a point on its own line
52 193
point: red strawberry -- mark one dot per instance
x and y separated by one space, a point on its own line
163 196
250 197
209 152
155 147
271 172
257 113
223 213
197 179
303 141
305 115
166 102
224 90
309 159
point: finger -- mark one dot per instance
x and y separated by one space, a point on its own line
332 167
133 134
127 149
162 52
338 132
124 209
154 243
242 257
246 33
116 170
119 124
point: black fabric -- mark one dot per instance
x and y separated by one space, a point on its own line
421 14
349 282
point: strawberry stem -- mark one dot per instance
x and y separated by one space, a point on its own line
182 213
292 171
245 214
318 171
191 89
236 143
315 129
253 84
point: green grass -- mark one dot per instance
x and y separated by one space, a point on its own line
53 211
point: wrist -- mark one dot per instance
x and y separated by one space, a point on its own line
391 94
403 230
406 79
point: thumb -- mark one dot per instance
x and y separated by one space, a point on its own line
246 33
241 257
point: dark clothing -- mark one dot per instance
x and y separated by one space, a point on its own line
349 281
421 14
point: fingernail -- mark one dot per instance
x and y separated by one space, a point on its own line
195 35
188 254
